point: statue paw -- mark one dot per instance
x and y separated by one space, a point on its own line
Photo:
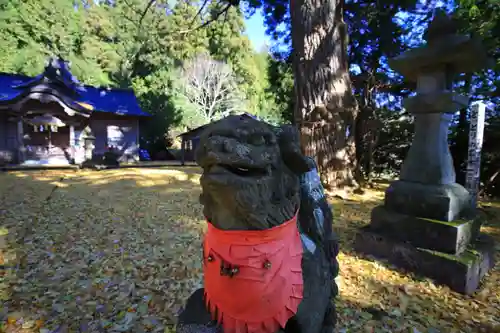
195 312
328 329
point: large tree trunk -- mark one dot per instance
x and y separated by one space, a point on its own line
325 107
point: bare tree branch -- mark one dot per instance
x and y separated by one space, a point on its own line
131 7
210 89
219 14
199 12
150 3
205 2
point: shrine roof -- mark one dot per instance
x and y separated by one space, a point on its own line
58 81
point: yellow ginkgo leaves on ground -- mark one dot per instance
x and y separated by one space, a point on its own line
379 298
120 251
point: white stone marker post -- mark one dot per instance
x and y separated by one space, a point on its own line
476 132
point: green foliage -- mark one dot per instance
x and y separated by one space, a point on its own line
480 19
128 44
121 44
281 87
376 33
32 30
394 138
228 43
157 95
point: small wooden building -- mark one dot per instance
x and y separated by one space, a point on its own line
191 138
105 117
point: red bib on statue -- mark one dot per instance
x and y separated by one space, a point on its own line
253 279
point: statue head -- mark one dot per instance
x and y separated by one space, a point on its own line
251 171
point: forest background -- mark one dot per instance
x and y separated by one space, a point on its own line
191 62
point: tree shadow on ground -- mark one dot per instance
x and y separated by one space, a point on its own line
84 248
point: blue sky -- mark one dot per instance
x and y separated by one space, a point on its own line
256 31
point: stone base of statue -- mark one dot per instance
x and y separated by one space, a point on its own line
461 272
413 231
443 202
450 237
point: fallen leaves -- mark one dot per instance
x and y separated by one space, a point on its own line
375 297
119 251
114 250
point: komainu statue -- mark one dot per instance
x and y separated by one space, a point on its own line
269 253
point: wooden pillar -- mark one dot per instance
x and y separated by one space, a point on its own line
72 142
20 141
137 152
183 150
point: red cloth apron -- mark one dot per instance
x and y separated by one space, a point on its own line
253 279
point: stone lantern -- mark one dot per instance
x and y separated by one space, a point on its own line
426 222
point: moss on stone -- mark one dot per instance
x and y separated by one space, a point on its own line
469 256
454 223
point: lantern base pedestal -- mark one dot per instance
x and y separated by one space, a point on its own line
448 237
462 273
445 202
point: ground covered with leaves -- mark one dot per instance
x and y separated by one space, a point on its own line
119 251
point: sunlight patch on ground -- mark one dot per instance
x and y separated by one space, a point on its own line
492 231
492 204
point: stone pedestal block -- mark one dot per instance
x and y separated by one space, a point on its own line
448 237
462 273
437 202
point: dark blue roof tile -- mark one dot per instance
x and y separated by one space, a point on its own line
116 101
8 82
